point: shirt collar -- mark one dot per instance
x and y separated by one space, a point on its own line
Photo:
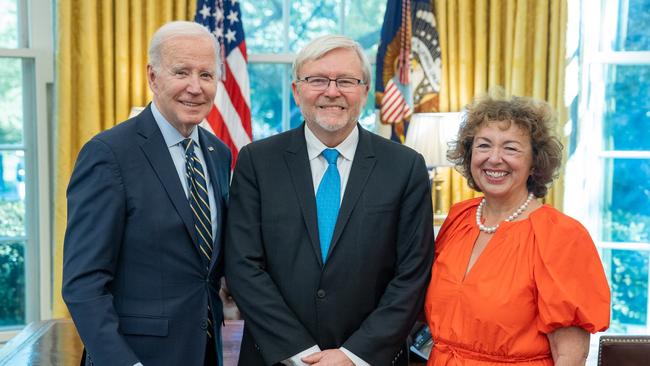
346 148
170 133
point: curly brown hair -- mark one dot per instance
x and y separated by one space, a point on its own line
535 117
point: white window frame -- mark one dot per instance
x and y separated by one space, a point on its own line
585 176
36 46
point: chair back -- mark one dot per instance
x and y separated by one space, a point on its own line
624 350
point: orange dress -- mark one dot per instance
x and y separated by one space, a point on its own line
534 276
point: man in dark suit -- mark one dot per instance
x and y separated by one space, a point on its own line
329 240
146 213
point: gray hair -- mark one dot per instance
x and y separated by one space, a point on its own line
178 29
317 48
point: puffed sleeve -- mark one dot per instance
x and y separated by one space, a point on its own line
572 289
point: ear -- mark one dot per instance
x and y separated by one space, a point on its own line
151 78
296 93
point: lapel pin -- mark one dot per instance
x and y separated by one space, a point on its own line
210 148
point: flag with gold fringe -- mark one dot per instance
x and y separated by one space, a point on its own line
409 65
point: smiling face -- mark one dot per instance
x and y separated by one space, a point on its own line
184 85
330 114
502 159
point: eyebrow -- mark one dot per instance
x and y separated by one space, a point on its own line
505 142
179 67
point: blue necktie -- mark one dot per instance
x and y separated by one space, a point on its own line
328 199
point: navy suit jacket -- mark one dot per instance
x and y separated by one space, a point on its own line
369 291
133 279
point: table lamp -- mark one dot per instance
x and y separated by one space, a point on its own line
429 134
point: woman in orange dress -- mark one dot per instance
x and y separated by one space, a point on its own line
514 281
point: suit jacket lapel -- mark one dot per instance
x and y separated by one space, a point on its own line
156 151
364 162
298 163
213 169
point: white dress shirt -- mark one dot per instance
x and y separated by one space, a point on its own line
318 165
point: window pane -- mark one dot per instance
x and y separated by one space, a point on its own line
12 283
363 21
11 101
627 271
8 24
12 194
627 107
263 26
310 19
633 23
266 98
626 195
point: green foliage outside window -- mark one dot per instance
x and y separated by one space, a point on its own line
12 207
12 218
11 104
12 284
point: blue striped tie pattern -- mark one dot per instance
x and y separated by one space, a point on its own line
198 198
200 205
328 199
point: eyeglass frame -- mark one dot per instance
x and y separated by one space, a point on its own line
329 81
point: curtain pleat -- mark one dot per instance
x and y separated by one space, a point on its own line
101 60
515 44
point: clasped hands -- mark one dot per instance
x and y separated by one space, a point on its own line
329 357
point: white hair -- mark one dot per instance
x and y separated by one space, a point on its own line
178 28
320 46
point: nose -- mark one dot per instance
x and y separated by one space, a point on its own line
494 155
332 90
194 84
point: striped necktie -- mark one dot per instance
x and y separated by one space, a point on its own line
328 200
198 197
200 205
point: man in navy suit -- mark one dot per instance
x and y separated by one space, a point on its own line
329 241
141 269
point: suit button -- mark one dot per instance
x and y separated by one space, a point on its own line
321 293
204 324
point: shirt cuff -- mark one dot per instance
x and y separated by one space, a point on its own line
295 360
355 360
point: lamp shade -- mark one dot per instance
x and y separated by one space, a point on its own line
430 133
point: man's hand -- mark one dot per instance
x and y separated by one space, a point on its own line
330 357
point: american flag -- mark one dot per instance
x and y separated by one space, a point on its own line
393 92
409 66
230 117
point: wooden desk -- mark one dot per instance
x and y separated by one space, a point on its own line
52 342
56 343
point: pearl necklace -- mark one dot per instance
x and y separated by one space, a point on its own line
514 215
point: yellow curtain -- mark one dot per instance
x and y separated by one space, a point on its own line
101 73
516 44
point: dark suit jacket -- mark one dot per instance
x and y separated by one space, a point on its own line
368 294
133 279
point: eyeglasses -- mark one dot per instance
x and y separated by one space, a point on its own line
321 83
